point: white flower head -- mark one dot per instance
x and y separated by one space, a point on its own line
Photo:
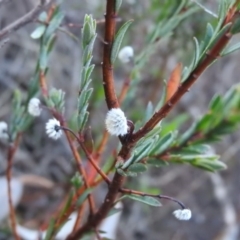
53 129
3 130
34 107
126 54
116 122
183 214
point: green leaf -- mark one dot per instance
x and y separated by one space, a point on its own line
38 32
50 230
231 49
163 143
157 162
53 25
149 112
67 205
207 38
118 40
43 17
211 166
118 4
144 199
137 168
121 172
83 197
197 52
216 104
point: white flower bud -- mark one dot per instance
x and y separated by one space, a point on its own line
34 107
53 129
183 214
3 130
116 122
126 54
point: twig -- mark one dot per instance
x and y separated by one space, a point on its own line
27 18
118 180
79 217
79 166
210 57
107 68
11 152
103 210
88 155
134 192
124 90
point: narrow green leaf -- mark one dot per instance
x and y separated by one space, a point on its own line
118 4
118 40
38 32
157 162
163 143
50 230
211 166
137 168
53 25
231 49
197 52
144 199
83 197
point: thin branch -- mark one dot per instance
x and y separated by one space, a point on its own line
103 210
11 152
88 155
107 68
27 18
143 194
79 165
210 57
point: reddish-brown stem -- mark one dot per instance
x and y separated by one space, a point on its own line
11 152
79 217
124 90
103 210
107 67
88 155
79 166
159 115
43 84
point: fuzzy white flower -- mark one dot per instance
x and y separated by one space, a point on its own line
53 129
116 122
3 130
126 54
183 214
34 107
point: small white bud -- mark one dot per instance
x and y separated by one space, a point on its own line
53 129
3 130
34 107
126 54
183 214
116 122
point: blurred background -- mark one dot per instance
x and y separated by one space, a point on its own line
213 198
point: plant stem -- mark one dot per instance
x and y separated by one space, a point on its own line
107 68
11 152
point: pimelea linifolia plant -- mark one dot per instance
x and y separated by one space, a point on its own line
141 145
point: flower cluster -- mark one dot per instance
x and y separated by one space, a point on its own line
34 107
3 130
183 214
53 129
126 54
116 122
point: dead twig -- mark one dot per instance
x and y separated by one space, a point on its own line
27 18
